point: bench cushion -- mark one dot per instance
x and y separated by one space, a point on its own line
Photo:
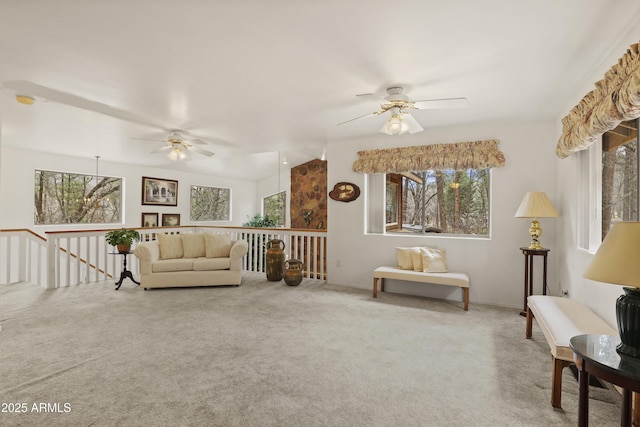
560 319
451 279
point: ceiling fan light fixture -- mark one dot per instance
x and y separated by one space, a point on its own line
176 154
395 125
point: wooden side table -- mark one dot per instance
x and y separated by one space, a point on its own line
529 254
124 273
597 355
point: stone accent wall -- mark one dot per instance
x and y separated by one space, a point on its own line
308 207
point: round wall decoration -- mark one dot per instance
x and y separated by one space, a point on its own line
344 192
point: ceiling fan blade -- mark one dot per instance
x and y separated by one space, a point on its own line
33 89
163 148
360 117
148 139
414 126
201 151
196 141
441 103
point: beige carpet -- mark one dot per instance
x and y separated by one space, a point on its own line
265 354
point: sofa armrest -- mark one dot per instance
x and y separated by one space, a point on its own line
239 249
147 253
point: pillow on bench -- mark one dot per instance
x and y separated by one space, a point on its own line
427 259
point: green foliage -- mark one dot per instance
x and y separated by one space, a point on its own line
122 236
260 221
274 207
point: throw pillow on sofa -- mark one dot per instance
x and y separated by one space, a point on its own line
217 245
170 246
193 245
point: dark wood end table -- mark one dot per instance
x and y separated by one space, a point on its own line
125 273
528 273
597 355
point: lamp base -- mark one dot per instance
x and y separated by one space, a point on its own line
535 231
628 317
535 245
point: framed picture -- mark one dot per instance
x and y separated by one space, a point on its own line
149 219
159 192
170 220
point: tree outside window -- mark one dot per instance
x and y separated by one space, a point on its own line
452 202
68 198
619 175
210 203
274 207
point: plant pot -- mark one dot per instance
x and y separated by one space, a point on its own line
123 248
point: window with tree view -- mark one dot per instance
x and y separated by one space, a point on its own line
274 207
68 198
448 201
210 203
619 175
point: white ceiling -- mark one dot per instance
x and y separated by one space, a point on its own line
254 77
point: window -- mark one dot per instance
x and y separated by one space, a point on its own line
210 203
68 198
619 175
452 202
274 207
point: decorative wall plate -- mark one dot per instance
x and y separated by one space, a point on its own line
344 192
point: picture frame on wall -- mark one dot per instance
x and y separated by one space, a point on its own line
170 220
149 219
159 192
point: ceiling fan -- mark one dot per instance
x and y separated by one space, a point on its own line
179 145
398 105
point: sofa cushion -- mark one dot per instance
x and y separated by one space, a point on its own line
207 264
434 260
170 246
176 264
193 245
217 245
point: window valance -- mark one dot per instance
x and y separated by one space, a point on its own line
457 156
616 98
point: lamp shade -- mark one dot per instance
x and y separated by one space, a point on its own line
616 260
536 204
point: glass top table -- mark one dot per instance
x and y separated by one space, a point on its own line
597 355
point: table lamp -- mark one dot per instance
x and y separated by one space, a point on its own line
616 262
536 205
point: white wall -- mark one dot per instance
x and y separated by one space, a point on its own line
599 297
496 264
16 189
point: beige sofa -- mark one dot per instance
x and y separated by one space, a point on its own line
190 259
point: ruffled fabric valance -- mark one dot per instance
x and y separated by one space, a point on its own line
616 98
457 156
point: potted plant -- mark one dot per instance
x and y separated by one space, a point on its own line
122 238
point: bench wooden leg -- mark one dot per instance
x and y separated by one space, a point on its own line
382 284
375 287
529 326
465 296
556 381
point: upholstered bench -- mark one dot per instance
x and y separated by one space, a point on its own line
395 273
560 319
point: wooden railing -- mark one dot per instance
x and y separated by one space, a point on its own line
22 256
68 258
